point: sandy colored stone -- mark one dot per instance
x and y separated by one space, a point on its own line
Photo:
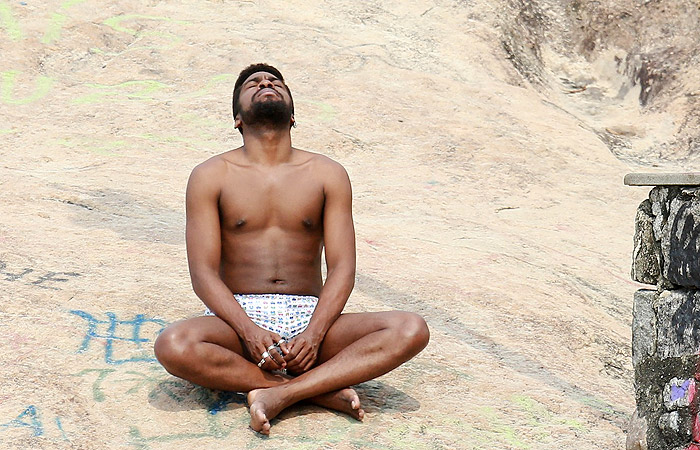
489 204
663 179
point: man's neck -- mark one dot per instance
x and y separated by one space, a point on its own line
267 146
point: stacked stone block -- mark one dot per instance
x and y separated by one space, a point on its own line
666 322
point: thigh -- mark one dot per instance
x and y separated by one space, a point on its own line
351 327
209 329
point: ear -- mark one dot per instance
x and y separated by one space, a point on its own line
294 122
237 121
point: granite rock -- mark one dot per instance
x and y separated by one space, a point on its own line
636 433
667 238
643 325
665 343
678 323
647 251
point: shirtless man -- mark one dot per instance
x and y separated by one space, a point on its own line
257 220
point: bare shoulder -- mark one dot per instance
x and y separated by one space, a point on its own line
211 171
328 169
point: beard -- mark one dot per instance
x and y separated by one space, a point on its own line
269 113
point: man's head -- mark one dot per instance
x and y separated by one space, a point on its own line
260 96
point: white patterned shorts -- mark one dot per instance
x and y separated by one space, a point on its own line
285 314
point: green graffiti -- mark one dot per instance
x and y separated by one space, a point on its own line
57 21
499 431
131 90
141 380
214 428
173 38
539 415
205 122
43 86
107 148
54 31
189 142
97 393
8 22
116 22
224 77
68 3
327 112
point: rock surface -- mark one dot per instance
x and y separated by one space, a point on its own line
490 204
667 238
663 179
646 255
665 340
636 433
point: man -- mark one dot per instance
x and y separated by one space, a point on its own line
258 218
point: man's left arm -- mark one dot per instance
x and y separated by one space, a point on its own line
339 242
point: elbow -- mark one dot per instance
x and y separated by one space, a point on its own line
199 283
349 279
343 275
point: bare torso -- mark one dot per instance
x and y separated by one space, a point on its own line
271 222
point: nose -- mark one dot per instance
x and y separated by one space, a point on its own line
265 83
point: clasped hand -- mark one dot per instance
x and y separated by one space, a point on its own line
303 352
274 353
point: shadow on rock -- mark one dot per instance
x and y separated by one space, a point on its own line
181 395
377 396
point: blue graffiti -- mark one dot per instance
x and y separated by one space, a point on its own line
29 418
60 428
111 337
219 403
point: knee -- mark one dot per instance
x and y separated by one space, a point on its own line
172 346
413 330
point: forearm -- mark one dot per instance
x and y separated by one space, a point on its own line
218 298
332 299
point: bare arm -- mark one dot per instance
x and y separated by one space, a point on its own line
203 237
339 241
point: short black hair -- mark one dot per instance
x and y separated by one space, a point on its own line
248 71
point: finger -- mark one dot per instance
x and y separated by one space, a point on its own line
307 362
268 361
275 337
292 352
270 364
300 357
277 357
267 340
283 346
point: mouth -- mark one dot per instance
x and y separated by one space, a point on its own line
265 91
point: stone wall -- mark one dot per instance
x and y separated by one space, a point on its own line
666 324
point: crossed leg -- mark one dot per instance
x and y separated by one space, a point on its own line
357 347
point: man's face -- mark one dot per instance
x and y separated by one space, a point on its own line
264 100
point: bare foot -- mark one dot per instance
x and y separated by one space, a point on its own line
343 400
264 406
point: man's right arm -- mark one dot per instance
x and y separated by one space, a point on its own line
203 236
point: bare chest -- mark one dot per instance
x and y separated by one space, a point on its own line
289 200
